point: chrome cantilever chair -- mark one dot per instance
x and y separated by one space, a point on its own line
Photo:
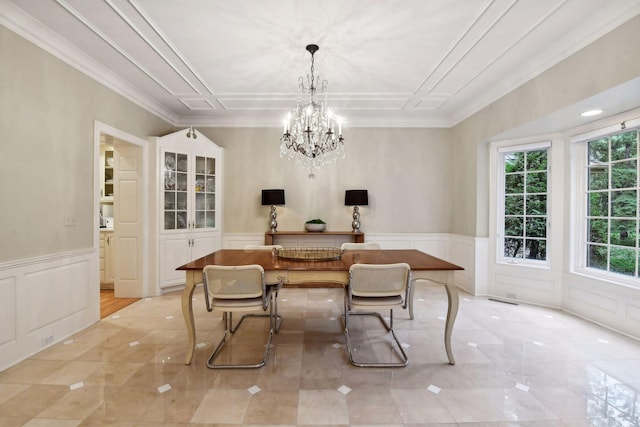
230 289
374 246
368 246
375 287
275 286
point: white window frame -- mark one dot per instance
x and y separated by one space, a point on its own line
500 193
579 152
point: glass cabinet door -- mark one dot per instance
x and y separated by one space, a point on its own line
205 192
176 173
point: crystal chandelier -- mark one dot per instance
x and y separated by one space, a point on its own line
309 134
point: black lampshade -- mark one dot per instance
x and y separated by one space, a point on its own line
273 197
356 198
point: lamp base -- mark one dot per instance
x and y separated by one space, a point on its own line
273 224
356 220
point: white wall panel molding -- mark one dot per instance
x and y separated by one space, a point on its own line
597 300
525 284
8 303
18 263
47 284
633 311
613 306
44 300
436 244
239 240
470 253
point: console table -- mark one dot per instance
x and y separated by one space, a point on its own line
269 236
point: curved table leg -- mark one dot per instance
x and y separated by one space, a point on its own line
452 312
446 279
187 312
411 292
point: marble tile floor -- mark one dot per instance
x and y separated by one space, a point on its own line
517 365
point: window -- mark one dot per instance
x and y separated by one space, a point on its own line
611 235
523 220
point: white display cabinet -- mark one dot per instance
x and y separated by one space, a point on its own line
190 202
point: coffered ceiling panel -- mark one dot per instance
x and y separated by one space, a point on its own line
387 63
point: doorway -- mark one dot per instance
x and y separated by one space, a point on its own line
125 204
109 304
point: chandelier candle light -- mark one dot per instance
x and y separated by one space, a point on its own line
309 134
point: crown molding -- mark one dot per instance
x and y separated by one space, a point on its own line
26 27
588 34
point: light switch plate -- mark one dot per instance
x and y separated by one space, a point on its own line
69 220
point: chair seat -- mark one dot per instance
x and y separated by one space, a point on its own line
358 302
224 304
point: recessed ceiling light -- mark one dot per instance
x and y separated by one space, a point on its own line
591 113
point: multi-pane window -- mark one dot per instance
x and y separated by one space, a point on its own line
524 219
612 204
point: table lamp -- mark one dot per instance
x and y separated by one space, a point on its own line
356 198
273 197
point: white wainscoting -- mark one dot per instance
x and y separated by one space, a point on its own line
436 244
470 253
240 240
460 250
609 304
44 300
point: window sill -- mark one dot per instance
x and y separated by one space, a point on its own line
541 265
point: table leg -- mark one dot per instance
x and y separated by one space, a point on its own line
187 312
452 312
412 290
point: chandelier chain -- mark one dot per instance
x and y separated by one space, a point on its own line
312 76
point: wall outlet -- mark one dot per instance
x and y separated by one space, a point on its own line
511 295
47 340
69 220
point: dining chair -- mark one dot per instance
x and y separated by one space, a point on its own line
353 246
373 246
275 286
371 289
230 289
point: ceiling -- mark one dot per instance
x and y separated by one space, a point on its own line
398 63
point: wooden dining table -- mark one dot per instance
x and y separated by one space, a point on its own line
295 271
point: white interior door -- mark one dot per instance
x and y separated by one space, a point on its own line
128 221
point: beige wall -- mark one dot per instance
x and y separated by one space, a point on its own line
420 180
605 63
406 172
47 113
